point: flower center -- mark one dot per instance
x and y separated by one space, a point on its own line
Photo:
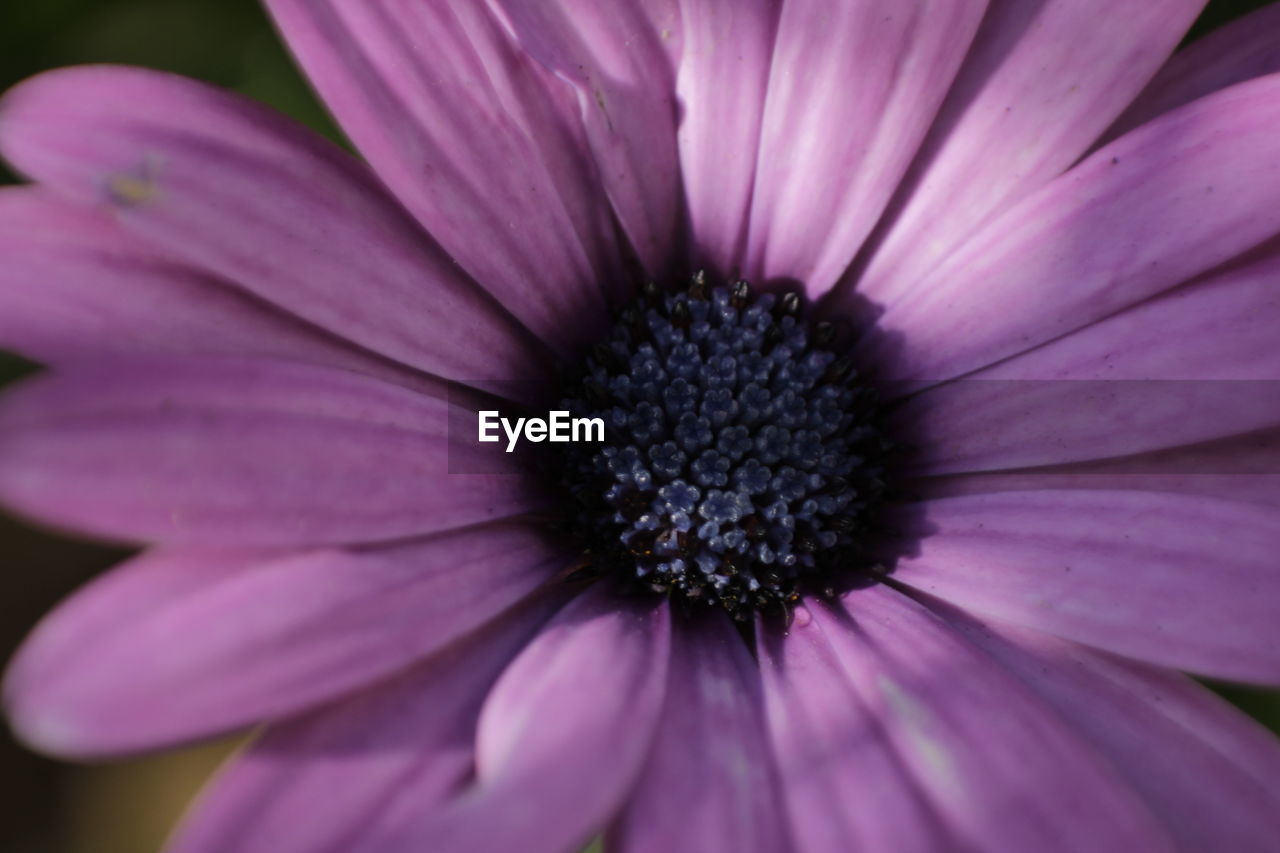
741 457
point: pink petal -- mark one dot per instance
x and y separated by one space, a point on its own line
225 184
1181 581
1245 48
1041 81
219 451
852 92
315 783
75 287
465 130
727 49
1003 770
178 645
1205 800
844 784
1156 208
709 784
617 57
561 739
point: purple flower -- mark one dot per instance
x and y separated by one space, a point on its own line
249 335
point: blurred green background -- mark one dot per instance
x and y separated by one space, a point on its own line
46 807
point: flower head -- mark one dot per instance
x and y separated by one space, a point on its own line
744 458
909 325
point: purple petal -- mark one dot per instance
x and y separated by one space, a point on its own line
1193 365
315 783
1181 581
977 425
75 287
1263 489
1240 740
590 686
709 784
618 59
224 383
1204 799
1220 327
224 452
1004 771
1239 468
723 75
472 140
225 184
179 645
844 783
1245 48
1156 208
851 94
1041 81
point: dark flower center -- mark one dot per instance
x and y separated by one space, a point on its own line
741 457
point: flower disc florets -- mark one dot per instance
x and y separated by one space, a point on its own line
741 457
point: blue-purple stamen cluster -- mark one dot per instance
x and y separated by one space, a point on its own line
740 455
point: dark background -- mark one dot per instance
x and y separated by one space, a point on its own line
46 807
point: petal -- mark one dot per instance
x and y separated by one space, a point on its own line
1220 327
709 784
469 137
228 383
723 75
223 183
618 59
851 94
1190 366
985 425
1238 738
220 452
75 287
314 784
1245 48
178 645
1002 768
1154 209
1181 581
845 785
1263 489
1041 81
590 685
1206 801
1239 468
